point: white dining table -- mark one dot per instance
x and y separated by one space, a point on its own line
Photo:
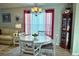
39 40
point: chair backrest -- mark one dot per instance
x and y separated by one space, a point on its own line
29 47
30 44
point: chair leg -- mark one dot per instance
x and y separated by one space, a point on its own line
21 53
54 50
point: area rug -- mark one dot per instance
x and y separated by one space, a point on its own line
4 49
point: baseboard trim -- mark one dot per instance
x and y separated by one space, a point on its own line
75 54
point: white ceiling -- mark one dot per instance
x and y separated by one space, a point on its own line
11 5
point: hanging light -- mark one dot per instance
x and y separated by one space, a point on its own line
36 10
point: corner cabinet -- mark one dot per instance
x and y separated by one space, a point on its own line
66 28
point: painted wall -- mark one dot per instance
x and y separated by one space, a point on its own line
14 12
75 35
59 8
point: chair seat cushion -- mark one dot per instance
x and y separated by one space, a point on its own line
47 46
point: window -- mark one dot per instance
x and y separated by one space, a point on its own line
42 22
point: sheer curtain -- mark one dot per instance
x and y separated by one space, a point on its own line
27 22
49 22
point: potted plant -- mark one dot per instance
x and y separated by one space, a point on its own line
35 36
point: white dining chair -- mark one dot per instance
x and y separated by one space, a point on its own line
46 48
29 48
49 49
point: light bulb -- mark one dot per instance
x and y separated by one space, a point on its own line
40 9
35 9
32 9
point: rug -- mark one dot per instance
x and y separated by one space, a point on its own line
4 48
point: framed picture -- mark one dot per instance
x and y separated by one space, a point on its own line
6 17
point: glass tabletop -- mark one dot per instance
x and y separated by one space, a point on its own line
40 39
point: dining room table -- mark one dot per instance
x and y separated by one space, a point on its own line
39 40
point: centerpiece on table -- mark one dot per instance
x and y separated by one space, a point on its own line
35 36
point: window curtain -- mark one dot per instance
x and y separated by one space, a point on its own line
27 22
49 22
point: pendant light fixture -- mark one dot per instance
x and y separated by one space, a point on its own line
36 9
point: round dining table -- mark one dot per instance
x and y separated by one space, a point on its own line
40 39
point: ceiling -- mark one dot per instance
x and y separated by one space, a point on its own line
14 5
11 5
